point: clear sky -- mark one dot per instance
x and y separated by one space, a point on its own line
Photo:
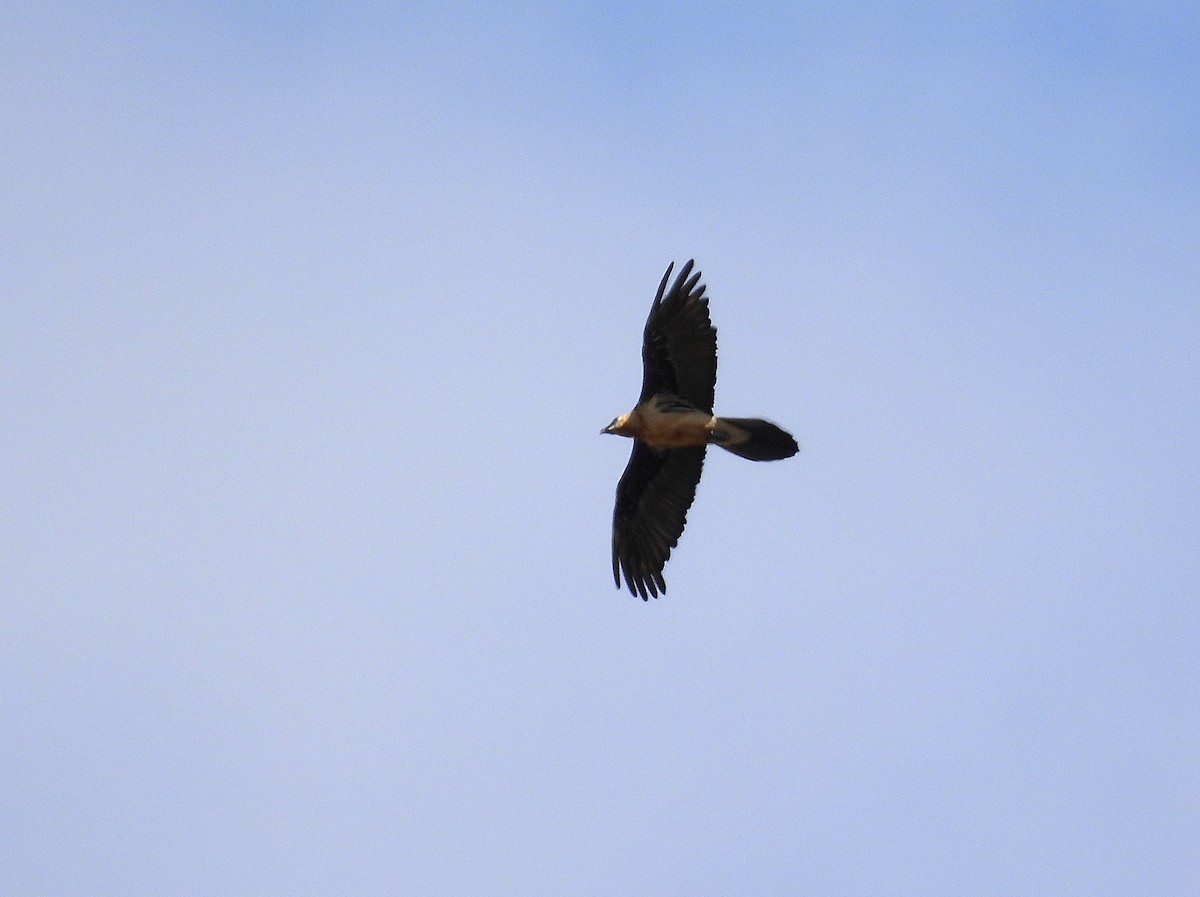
311 314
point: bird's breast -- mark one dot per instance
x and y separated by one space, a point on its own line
668 421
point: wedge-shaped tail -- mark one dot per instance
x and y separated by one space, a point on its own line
754 439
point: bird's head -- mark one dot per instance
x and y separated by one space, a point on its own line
617 427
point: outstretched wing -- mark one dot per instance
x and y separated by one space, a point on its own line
679 345
653 498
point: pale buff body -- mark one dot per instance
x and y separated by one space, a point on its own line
667 429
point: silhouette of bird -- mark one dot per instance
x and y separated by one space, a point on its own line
671 426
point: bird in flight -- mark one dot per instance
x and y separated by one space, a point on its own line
671 426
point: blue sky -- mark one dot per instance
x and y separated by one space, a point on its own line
312 316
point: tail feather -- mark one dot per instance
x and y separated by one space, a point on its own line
754 439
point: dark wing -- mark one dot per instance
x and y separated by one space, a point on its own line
679 346
653 498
